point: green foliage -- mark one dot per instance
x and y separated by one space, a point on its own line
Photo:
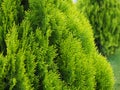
73 65
17 77
79 26
104 81
104 17
51 48
10 12
3 63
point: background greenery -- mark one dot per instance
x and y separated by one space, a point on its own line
115 62
104 16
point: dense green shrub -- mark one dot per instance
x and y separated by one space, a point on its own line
104 17
104 81
50 48
79 26
86 37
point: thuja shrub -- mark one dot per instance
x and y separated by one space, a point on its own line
73 65
79 26
104 81
44 67
61 38
50 48
86 37
104 17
